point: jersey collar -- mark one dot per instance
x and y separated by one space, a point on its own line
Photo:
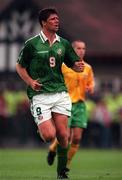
44 38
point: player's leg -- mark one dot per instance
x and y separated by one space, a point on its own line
62 106
52 152
61 111
47 130
74 146
62 148
60 121
53 149
53 145
77 122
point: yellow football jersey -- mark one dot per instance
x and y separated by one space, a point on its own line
78 83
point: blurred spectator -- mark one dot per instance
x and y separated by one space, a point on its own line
23 122
13 96
3 105
120 118
3 116
102 119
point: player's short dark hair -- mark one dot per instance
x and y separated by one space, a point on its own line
77 40
45 13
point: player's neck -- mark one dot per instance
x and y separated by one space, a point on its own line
50 35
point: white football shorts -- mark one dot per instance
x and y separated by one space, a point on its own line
43 105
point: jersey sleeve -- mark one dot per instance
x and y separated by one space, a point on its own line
70 55
91 81
24 55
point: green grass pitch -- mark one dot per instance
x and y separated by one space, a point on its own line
21 164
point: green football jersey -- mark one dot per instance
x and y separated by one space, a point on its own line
43 62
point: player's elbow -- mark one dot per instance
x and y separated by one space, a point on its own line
18 67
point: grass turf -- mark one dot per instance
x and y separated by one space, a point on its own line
16 164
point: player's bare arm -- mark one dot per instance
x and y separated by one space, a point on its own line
35 85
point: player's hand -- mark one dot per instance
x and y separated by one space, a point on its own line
35 85
78 66
89 90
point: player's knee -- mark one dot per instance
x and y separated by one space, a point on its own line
63 135
76 140
48 137
63 138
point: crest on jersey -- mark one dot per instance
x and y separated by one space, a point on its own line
59 51
40 117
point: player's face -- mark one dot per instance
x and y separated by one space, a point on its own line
80 49
52 23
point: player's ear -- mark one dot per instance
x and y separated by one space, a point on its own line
43 23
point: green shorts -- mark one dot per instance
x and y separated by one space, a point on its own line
78 115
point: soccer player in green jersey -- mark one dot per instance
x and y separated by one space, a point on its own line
39 65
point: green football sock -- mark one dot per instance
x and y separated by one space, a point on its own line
61 158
